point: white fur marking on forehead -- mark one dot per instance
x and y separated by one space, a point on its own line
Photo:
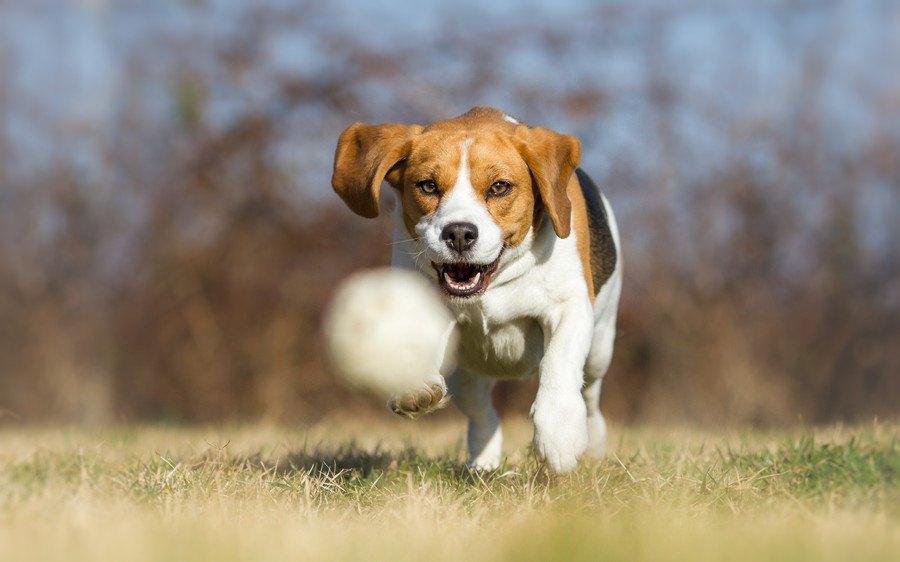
511 119
462 178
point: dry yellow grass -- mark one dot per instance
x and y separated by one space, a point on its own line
394 490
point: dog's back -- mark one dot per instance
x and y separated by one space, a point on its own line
604 256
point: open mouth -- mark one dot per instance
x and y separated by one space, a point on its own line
462 279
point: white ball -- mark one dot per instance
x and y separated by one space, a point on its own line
386 331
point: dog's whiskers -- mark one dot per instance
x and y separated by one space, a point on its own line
395 242
417 256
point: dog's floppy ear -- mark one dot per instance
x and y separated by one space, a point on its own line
551 159
365 156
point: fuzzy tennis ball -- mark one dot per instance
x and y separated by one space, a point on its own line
386 330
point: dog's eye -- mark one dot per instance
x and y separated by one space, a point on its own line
499 188
427 187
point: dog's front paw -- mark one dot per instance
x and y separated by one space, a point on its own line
429 397
560 432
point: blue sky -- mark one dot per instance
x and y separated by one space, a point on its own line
70 68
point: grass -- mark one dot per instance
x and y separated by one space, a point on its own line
394 490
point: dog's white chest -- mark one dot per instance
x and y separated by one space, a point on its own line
511 349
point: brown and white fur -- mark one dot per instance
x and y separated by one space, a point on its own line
526 251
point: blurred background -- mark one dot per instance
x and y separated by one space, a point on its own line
168 234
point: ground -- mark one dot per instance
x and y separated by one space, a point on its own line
381 489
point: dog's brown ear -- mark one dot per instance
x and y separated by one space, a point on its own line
551 158
365 156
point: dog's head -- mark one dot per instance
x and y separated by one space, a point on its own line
469 187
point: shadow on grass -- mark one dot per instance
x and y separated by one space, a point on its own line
351 461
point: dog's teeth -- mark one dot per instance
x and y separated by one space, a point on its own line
467 285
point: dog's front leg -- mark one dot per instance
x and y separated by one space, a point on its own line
559 414
432 394
472 395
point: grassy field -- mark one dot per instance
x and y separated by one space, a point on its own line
394 490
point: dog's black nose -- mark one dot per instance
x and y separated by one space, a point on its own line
460 236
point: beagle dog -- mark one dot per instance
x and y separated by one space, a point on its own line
526 251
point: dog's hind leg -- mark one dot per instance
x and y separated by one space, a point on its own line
596 424
599 358
597 364
472 395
